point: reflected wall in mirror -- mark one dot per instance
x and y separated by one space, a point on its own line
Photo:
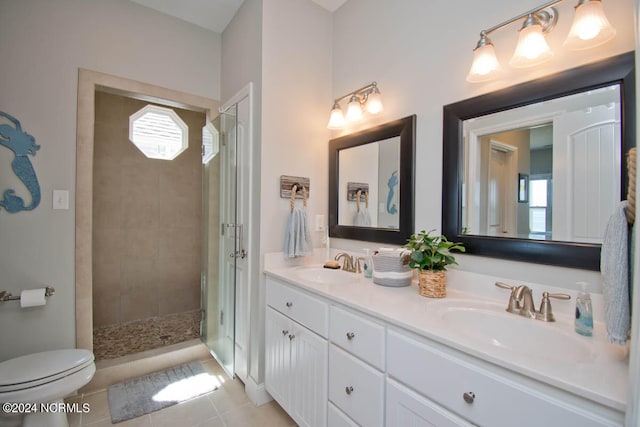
376 165
533 172
380 161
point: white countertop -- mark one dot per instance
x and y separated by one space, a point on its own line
602 379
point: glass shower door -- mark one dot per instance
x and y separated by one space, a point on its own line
220 237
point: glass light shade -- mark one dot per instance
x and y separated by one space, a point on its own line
590 27
532 48
374 102
354 110
336 119
485 65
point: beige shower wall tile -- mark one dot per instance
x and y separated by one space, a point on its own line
178 300
139 275
139 244
178 273
107 245
139 304
106 309
110 140
106 208
106 277
110 108
180 242
139 209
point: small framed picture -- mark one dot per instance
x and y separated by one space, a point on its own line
523 188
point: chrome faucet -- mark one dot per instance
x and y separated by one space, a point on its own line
524 294
521 302
349 264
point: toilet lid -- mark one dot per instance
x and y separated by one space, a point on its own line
23 371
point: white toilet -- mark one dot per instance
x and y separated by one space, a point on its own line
40 380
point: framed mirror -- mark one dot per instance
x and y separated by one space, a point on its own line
371 183
533 172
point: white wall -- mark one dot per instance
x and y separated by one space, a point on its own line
296 98
42 45
420 52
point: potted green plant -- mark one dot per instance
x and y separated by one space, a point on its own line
430 255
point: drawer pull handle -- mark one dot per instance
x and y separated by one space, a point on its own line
289 304
285 332
469 397
291 337
348 389
350 335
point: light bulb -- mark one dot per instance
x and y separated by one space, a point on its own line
485 65
590 27
374 101
354 110
532 47
336 119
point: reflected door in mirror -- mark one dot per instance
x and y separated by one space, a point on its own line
546 171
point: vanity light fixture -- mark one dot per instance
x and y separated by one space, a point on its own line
590 28
367 96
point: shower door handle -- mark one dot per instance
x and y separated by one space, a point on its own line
239 236
241 252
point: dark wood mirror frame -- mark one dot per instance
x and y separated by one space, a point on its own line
618 69
405 128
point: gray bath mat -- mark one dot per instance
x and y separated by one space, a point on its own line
139 396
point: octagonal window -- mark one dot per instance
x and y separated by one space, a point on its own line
210 142
158 132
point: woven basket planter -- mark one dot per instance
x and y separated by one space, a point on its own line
432 284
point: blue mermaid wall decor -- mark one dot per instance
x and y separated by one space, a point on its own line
22 144
392 183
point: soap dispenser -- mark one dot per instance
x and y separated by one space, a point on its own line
368 264
584 311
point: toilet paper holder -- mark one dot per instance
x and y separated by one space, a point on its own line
6 296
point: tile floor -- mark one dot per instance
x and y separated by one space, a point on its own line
228 406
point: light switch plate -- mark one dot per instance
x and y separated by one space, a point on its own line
60 199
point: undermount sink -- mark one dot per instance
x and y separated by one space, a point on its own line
488 323
325 276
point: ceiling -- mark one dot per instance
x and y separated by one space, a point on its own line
212 14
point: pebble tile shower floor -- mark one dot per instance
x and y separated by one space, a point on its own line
132 337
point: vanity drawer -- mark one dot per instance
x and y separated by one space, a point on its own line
359 336
356 388
304 309
337 418
497 401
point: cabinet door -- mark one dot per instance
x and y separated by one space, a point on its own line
407 408
277 356
309 364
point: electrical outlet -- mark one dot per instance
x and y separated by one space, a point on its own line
319 222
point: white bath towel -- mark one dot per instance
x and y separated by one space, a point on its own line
614 265
297 237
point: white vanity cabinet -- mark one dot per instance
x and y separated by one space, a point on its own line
296 353
332 360
479 392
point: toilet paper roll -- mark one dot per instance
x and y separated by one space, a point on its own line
33 297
